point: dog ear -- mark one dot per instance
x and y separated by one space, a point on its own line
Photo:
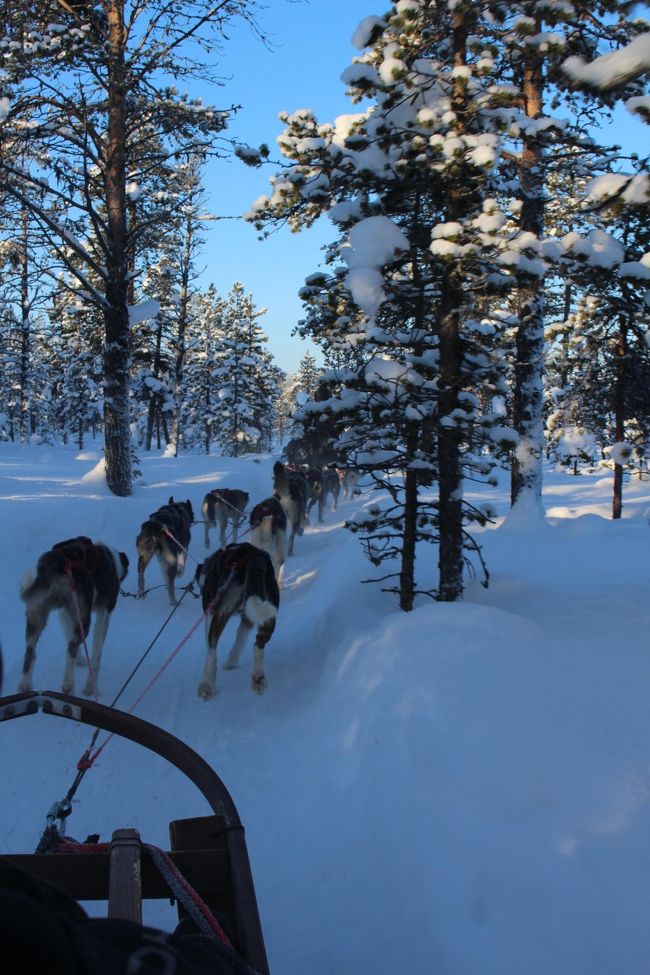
124 559
199 572
171 499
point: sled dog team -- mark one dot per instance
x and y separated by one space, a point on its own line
80 577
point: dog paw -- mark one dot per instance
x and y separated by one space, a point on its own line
24 686
67 688
89 689
205 692
258 682
230 666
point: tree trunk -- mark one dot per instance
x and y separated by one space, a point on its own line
409 534
183 308
117 432
619 418
526 473
151 415
25 426
155 400
450 512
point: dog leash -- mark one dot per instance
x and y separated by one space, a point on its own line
167 532
61 810
88 760
222 499
141 595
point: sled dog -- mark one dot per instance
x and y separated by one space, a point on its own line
315 487
223 506
349 478
290 487
330 488
78 577
237 580
165 534
268 531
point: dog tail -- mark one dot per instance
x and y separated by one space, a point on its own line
259 610
263 595
148 540
28 584
280 479
208 507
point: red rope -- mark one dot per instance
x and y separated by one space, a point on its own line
189 891
176 542
91 759
170 868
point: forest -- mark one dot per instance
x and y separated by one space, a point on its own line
483 302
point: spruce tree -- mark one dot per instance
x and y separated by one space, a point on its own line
410 184
90 82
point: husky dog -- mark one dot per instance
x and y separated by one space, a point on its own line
349 478
225 506
291 489
315 485
329 486
78 577
237 580
166 534
268 531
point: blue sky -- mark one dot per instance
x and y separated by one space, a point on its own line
311 47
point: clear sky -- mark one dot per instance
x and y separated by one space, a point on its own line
310 48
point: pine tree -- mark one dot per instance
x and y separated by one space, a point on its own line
409 182
247 386
117 62
531 40
204 339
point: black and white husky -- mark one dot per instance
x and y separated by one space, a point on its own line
237 580
78 577
268 531
165 534
223 506
290 487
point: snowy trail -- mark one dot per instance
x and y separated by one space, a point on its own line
464 788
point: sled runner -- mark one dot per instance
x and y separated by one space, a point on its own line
207 857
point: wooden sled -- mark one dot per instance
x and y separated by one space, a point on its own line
209 851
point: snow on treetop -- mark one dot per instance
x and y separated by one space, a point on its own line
359 72
620 452
450 229
634 190
373 242
614 68
407 7
366 286
636 269
639 104
344 126
345 210
599 248
363 33
391 69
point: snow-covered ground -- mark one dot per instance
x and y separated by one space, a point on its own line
463 790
